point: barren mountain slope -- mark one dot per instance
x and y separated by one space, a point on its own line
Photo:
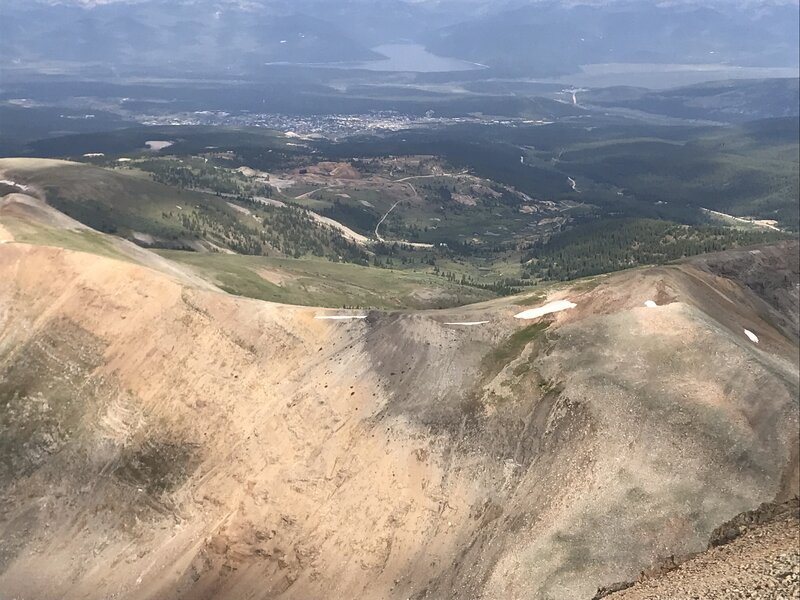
161 441
755 555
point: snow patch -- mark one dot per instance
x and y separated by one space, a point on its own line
552 307
339 317
651 304
753 337
19 186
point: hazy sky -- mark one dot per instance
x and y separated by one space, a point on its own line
488 3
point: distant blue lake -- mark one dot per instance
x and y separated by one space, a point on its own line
399 57
414 57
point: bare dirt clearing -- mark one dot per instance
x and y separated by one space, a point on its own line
275 276
158 145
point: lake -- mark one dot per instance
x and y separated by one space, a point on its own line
414 57
399 57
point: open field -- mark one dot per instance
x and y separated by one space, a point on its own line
314 282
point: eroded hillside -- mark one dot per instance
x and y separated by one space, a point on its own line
161 440
755 554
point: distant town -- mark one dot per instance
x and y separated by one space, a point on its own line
322 126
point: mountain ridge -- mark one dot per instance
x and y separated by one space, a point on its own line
191 438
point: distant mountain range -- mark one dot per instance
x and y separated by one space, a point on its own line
170 36
553 38
237 37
